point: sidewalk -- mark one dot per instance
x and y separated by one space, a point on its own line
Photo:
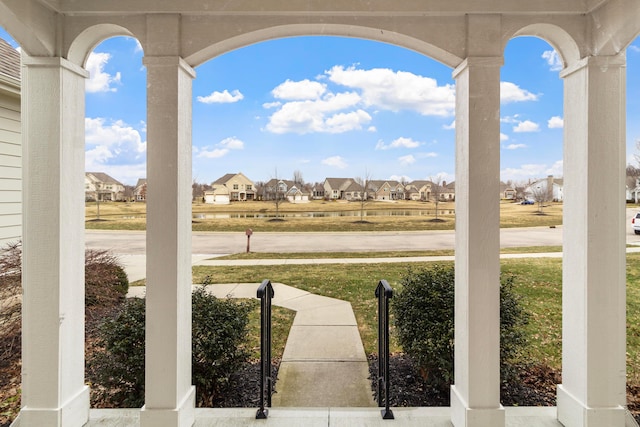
324 364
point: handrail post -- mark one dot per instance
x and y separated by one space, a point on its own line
384 294
265 294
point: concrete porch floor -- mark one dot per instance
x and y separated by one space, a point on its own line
330 417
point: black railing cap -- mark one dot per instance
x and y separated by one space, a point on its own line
388 291
266 284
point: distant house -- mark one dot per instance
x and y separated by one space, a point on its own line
354 192
102 187
448 192
334 188
317 191
552 187
277 188
419 190
507 192
230 188
296 195
386 190
10 145
140 192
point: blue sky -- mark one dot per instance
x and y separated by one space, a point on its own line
332 107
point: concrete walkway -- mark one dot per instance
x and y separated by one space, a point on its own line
324 364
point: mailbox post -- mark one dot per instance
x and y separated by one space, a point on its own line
249 232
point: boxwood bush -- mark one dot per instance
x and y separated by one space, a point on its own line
219 331
423 313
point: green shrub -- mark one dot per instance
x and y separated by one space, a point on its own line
106 282
116 368
219 329
423 312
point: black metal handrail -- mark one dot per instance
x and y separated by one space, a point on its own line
265 294
384 293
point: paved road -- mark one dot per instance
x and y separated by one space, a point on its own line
133 242
126 242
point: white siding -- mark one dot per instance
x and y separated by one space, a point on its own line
10 170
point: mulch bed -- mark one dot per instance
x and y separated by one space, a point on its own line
535 386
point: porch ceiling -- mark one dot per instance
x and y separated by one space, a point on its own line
394 7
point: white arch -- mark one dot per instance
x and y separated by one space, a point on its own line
340 30
557 37
88 39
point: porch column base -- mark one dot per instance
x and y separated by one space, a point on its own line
182 416
463 416
573 413
74 413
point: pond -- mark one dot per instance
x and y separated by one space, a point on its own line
367 213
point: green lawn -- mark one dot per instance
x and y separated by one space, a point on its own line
537 280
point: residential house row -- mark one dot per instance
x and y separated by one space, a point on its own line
233 187
237 187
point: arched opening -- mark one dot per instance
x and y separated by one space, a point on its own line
327 109
531 195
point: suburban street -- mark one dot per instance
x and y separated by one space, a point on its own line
133 242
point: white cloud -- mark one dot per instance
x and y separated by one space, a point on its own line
634 48
503 137
320 115
531 171
372 129
400 90
268 105
224 147
213 153
526 126
299 91
336 162
115 148
555 122
99 80
451 126
442 176
555 169
400 178
221 97
510 92
510 119
426 155
515 146
407 160
553 59
232 143
398 143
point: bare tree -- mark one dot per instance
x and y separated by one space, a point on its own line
541 194
520 188
297 179
364 182
436 192
278 195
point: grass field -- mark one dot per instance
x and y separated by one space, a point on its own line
537 280
238 216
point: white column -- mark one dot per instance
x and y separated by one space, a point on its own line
593 342
169 395
475 397
53 389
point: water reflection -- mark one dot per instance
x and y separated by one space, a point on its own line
370 213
